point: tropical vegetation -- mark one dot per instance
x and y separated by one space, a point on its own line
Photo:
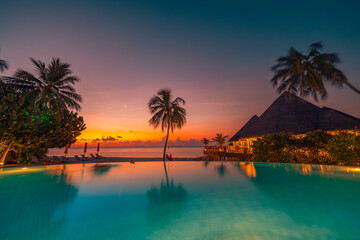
307 74
3 65
36 112
319 147
220 139
167 113
51 87
205 141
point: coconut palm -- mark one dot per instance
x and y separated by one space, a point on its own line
205 141
3 65
306 75
52 86
167 112
220 139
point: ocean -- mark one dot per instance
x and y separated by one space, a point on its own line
135 152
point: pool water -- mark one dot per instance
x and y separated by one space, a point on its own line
185 200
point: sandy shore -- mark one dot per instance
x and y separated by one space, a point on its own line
106 160
127 159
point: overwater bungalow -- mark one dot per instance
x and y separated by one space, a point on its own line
289 113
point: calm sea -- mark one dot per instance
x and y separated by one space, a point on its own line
135 152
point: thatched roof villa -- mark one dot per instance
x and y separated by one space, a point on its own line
291 114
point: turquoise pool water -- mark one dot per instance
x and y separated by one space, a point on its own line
191 200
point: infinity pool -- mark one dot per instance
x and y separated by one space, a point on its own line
187 200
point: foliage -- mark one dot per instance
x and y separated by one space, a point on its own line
30 131
277 147
344 148
220 139
167 112
51 88
315 147
306 75
3 65
205 141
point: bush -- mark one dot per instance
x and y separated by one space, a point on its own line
344 148
312 147
277 147
315 147
29 131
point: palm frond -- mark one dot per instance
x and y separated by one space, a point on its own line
3 65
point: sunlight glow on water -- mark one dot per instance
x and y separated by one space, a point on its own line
194 200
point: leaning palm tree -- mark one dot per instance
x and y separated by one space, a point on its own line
52 86
306 75
167 112
220 139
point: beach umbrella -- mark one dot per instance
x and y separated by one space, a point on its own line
85 147
66 149
98 148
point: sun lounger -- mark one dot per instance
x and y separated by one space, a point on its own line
56 159
66 159
77 158
92 156
98 156
83 157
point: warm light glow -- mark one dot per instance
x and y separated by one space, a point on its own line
248 169
353 169
22 170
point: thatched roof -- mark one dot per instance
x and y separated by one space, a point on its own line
243 130
294 114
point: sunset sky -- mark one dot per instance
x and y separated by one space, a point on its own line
216 55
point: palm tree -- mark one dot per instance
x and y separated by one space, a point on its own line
205 141
167 112
307 74
3 65
52 87
220 139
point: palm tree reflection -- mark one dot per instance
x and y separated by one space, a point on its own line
221 169
166 202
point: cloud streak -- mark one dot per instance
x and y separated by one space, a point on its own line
110 141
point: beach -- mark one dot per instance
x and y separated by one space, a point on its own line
127 159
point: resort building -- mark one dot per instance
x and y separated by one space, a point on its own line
290 113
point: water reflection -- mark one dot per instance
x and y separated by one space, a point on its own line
311 195
36 197
221 169
246 167
167 201
102 169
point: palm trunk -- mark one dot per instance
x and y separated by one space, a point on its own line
3 157
166 175
352 87
166 141
348 84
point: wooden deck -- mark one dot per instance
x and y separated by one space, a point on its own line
221 154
